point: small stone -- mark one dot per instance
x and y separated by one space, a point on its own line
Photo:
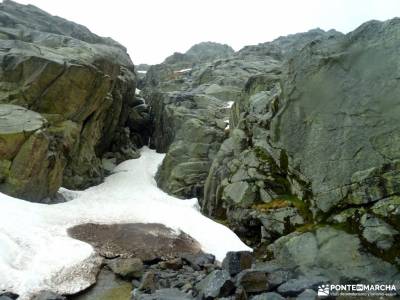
252 281
48 295
135 283
173 264
188 286
278 277
294 287
235 262
217 284
279 221
210 267
240 294
162 294
198 261
240 193
163 283
127 267
148 283
378 232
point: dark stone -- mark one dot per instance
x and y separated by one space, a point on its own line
126 267
173 264
294 287
235 262
47 295
199 260
240 294
8 296
252 281
278 277
149 282
217 284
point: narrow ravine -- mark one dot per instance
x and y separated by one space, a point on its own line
270 172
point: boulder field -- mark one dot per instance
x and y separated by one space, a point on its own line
294 144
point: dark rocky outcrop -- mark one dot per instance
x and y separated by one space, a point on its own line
83 88
190 104
311 152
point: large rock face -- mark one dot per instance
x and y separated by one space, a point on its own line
338 117
82 85
35 170
200 53
312 158
190 101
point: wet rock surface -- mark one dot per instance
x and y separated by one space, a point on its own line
148 242
108 286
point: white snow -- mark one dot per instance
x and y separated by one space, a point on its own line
227 126
137 91
37 254
183 70
142 72
229 104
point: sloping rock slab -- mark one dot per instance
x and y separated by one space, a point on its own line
148 242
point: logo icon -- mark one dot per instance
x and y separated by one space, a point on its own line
323 290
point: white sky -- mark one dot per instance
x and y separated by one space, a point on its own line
154 29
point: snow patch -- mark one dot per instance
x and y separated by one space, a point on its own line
229 104
37 254
142 72
137 91
184 70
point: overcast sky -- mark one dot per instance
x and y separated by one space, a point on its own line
154 29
